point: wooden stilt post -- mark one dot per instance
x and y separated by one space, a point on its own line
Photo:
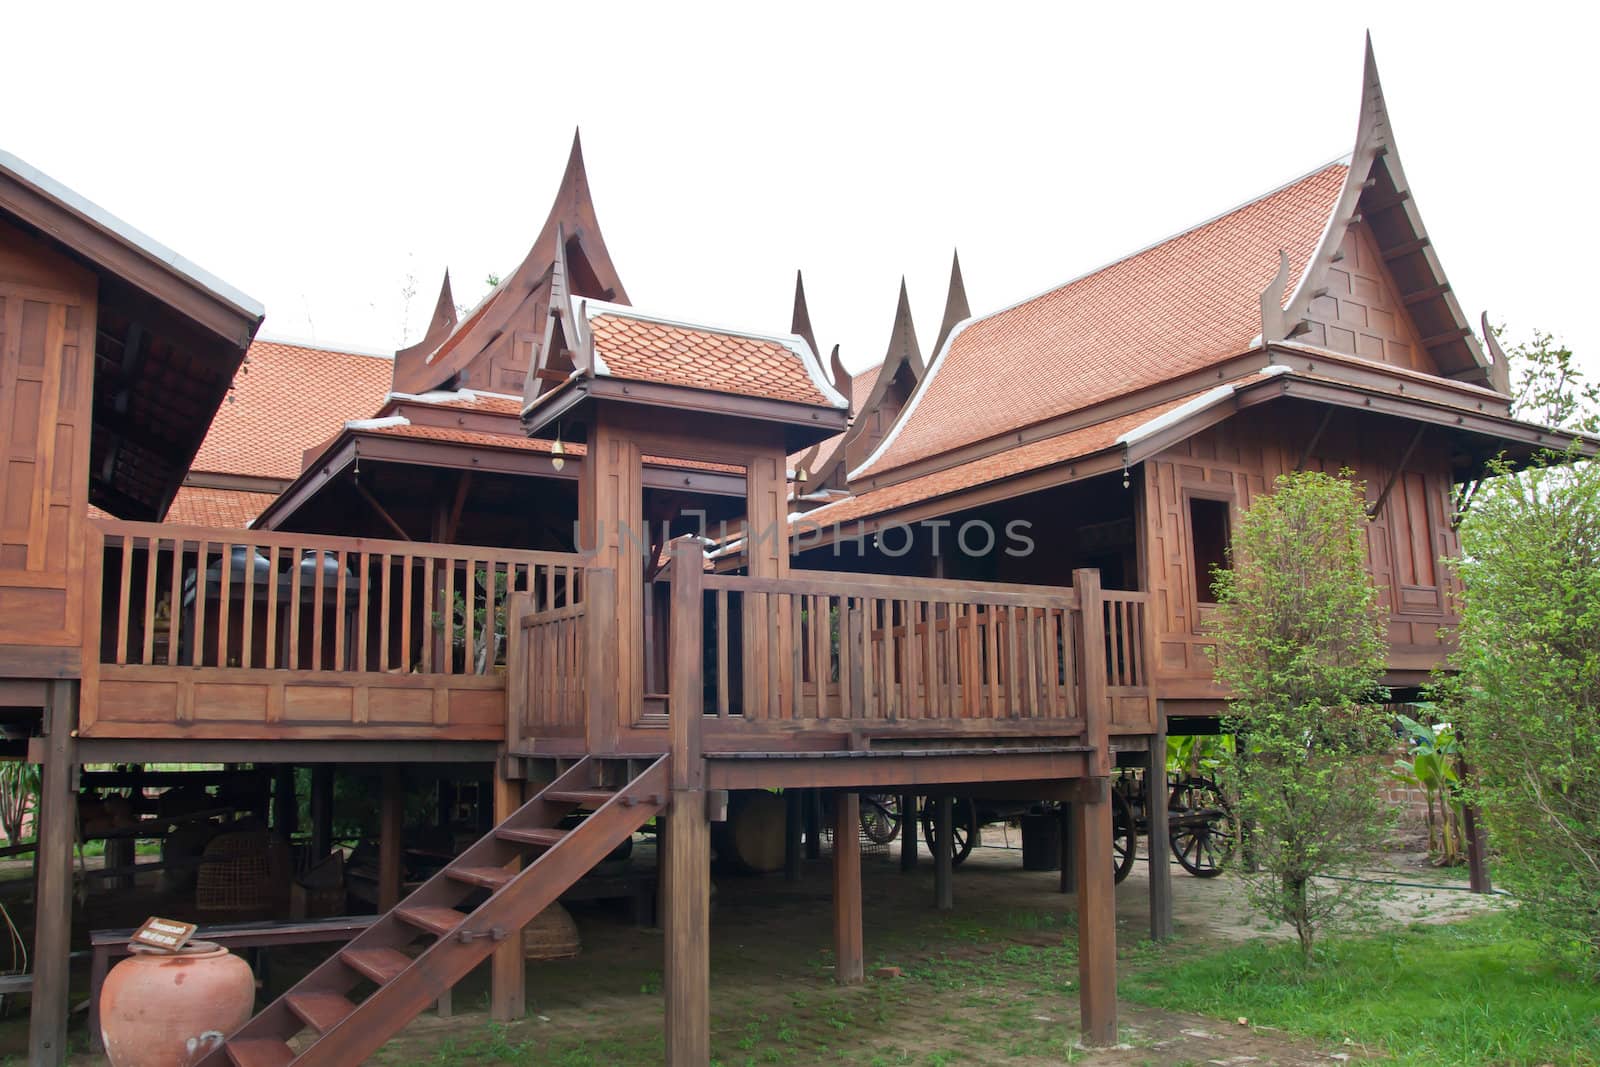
686 871
52 938
1097 915
813 809
1477 869
321 809
508 968
944 852
285 803
1155 805
791 834
1069 850
908 832
391 827
849 964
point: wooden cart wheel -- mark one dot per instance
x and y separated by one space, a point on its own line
880 817
1201 829
1124 839
963 826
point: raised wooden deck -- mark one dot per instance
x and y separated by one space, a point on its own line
248 635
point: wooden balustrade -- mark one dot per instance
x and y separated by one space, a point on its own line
871 649
192 622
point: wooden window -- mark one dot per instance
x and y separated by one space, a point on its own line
1414 532
1208 539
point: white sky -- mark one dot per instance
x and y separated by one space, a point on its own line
322 158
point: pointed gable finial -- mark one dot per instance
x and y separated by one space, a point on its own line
800 321
1500 367
440 326
842 378
903 337
955 304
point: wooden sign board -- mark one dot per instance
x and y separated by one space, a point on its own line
164 935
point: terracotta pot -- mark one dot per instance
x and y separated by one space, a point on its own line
163 1010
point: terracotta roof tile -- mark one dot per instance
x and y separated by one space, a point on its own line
1180 305
195 505
1036 455
861 384
290 398
645 350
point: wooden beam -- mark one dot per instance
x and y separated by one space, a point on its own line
1404 249
848 954
1429 293
1155 800
391 827
383 512
508 968
1399 468
1097 921
908 831
944 847
452 524
1446 337
1316 438
685 921
52 938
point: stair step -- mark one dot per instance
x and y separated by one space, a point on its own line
583 798
488 877
259 1052
543 836
379 964
436 921
321 1011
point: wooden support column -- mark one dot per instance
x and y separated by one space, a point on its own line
944 851
849 964
908 832
1069 850
792 817
322 809
1155 805
285 804
391 829
52 938
508 968
686 869
1097 915
1477 869
812 803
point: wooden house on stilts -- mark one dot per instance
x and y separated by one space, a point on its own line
634 564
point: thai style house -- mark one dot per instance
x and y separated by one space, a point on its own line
984 571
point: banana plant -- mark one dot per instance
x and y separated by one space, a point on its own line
1434 768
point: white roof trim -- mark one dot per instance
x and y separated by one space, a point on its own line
450 396
157 251
377 424
793 342
1208 399
322 346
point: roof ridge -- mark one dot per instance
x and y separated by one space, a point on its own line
318 346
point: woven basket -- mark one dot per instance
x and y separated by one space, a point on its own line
246 870
552 935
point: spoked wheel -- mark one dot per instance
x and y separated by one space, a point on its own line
963 826
1200 826
1124 838
880 817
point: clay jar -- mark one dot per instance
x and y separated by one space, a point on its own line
168 1010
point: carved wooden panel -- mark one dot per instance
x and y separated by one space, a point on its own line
47 319
1362 313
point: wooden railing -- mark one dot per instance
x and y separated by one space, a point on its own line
186 615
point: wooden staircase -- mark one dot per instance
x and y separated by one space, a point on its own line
525 863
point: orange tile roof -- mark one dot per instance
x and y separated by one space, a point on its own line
289 398
1170 309
195 505
1036 455
861 384
649 350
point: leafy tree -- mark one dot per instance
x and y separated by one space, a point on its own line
1527 691
19 792
1301 645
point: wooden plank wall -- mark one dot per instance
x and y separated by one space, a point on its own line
1236 461
1362 313
47 323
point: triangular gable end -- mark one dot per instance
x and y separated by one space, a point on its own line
1375 287
897 379
497 345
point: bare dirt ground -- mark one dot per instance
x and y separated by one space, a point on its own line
994 981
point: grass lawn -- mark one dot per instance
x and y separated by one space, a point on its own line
1472 992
